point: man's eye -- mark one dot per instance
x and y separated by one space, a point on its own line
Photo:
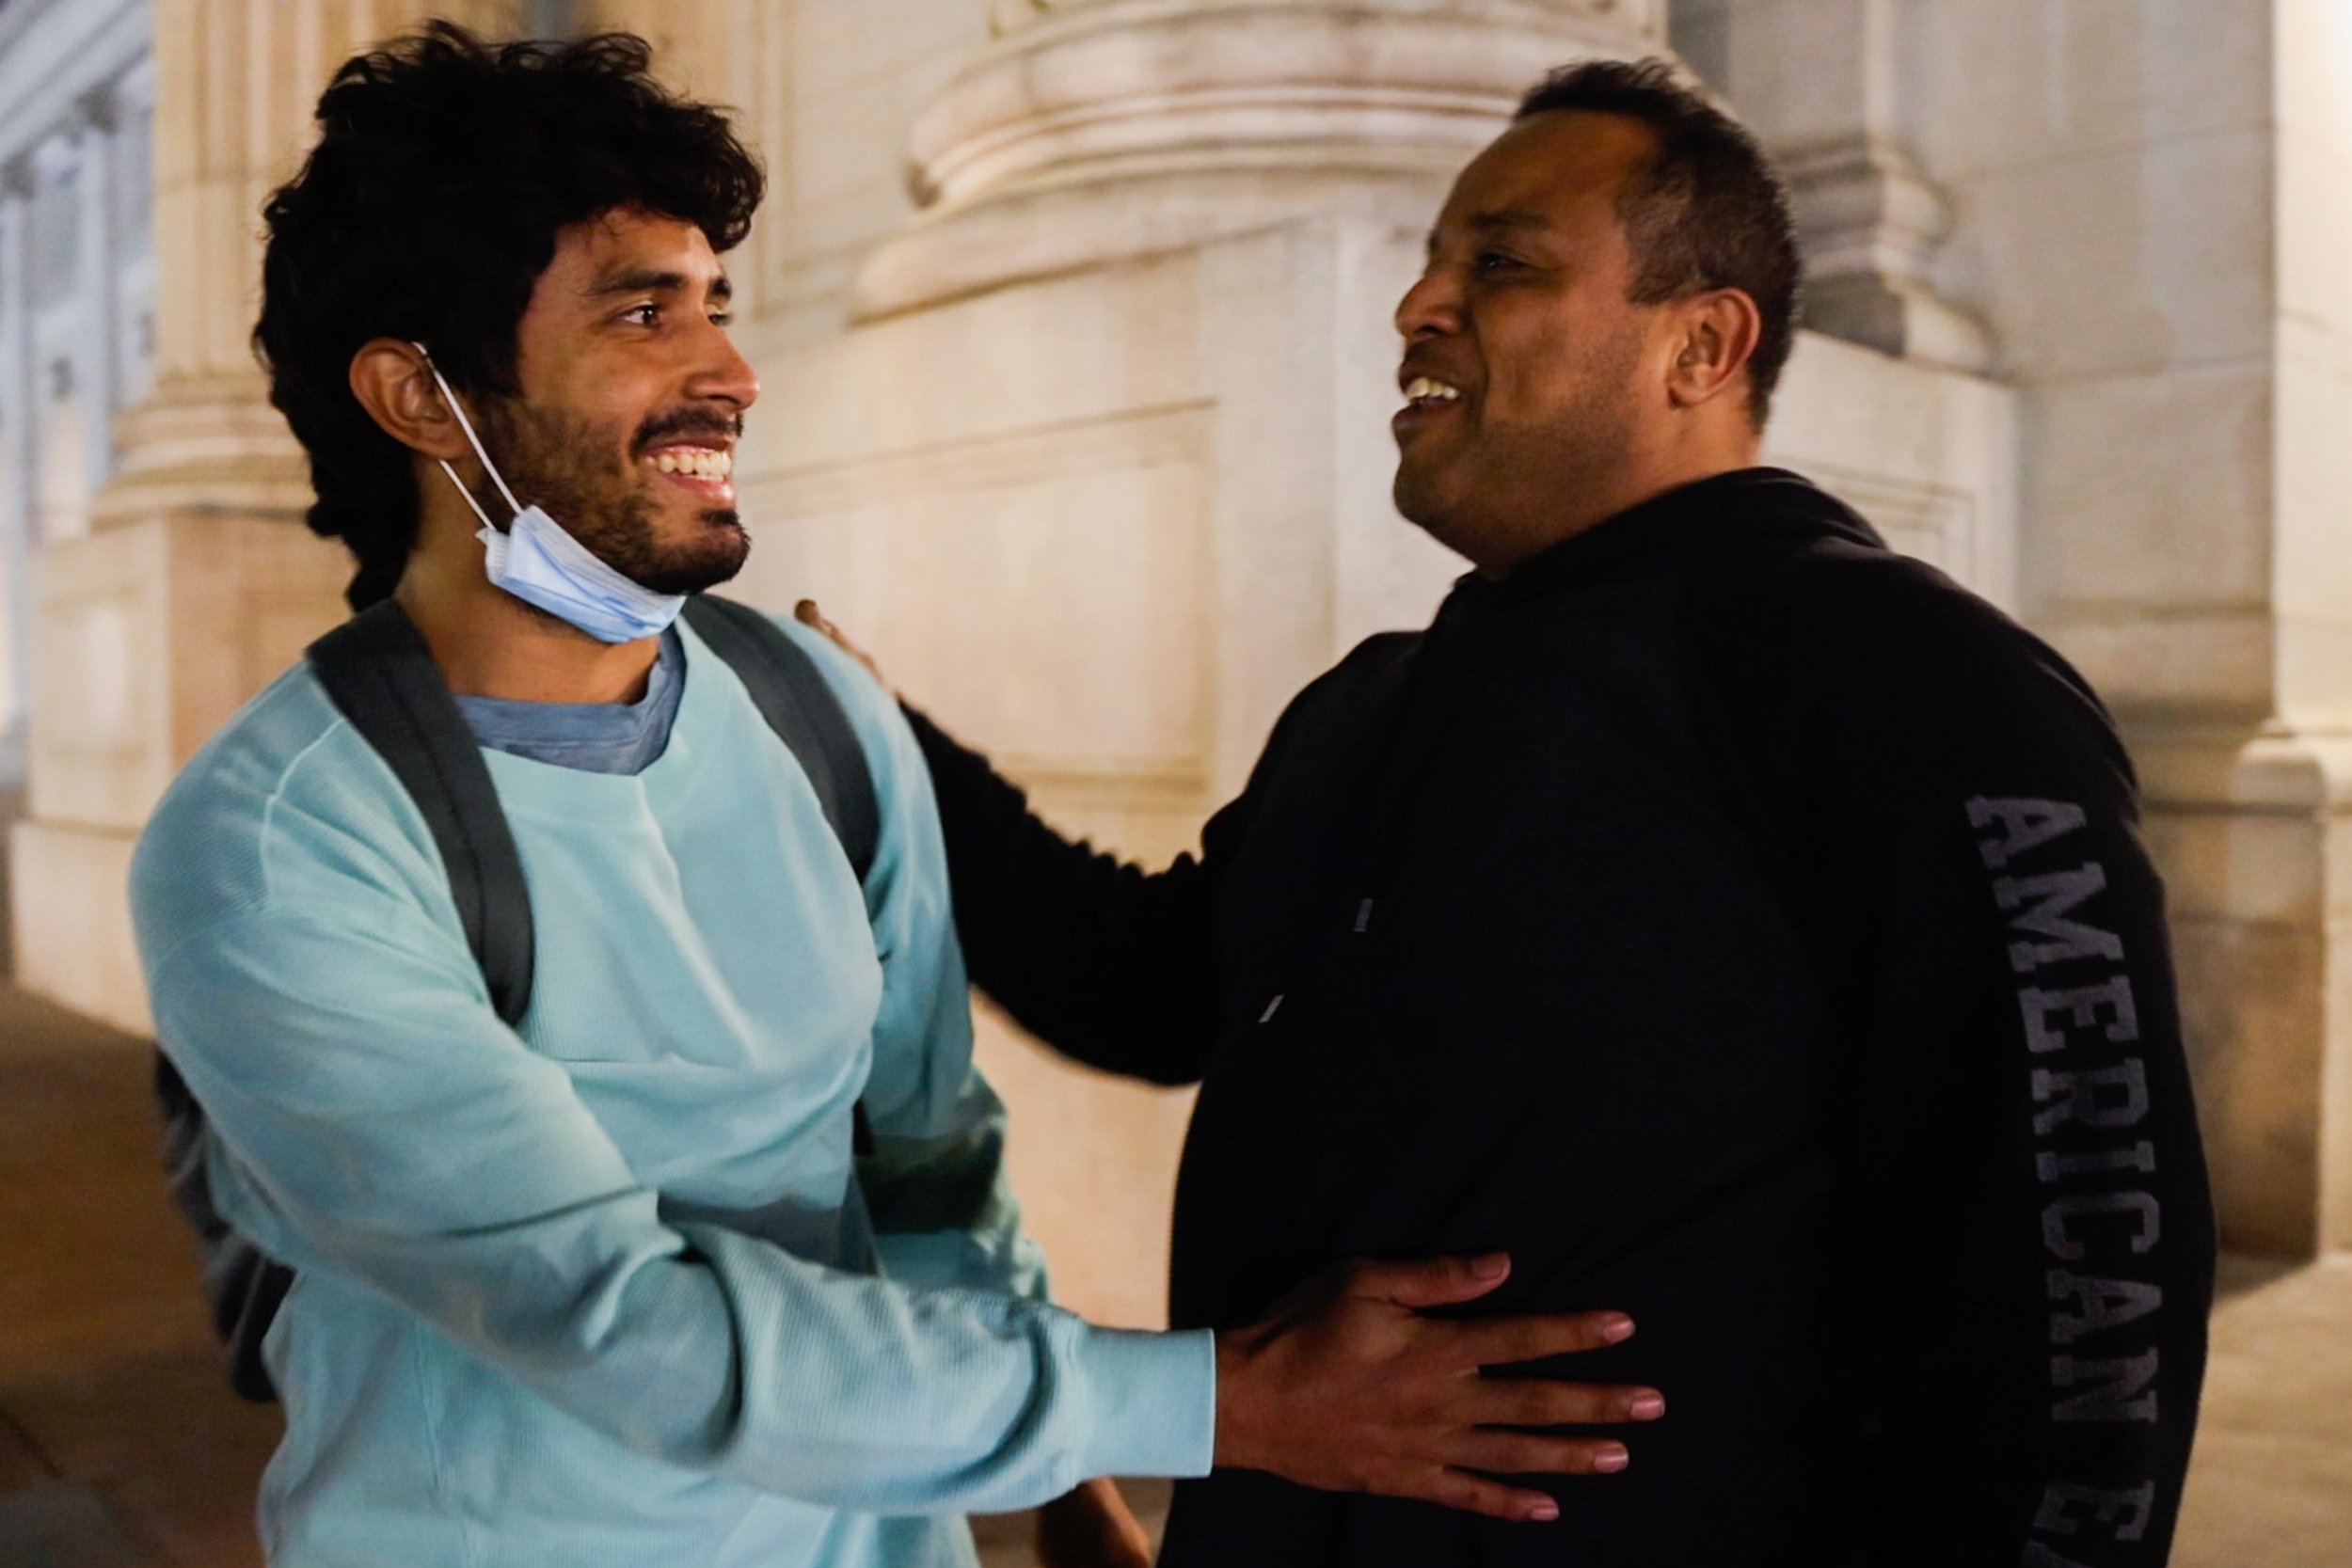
642 315
1494 261
723 318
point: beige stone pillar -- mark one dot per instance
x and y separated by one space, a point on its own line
1822 82
196 583
2229 646
1093 131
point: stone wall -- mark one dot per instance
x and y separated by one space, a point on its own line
1074 321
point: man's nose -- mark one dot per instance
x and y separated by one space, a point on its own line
721 373
1431 308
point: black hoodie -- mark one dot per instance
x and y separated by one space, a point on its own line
1744 927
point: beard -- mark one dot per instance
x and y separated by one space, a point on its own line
1499 497
568 467
1498 493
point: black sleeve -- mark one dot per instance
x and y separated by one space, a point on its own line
2033 1229
1106 963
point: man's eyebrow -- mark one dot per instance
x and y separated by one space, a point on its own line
637 280
1501 221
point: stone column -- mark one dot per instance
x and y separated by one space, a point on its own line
1821 82
1098 138
197 582
2228 641
16 468
1093 131
94 373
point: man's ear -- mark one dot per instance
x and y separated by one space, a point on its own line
393 383
1716 336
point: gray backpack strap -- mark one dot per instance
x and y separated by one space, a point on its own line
377 670
792 696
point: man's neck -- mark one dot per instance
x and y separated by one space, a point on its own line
488 643
1632 489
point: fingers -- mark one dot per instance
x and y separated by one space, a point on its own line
1522 1453
1502 1340
809 616
1430 1281
1472 1493
1543 1402
1509 1453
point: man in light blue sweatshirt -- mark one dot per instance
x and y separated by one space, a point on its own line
599 1287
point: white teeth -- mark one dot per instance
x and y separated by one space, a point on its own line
1422 390
696 462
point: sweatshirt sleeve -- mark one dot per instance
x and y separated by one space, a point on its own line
2036 1236
1108 964
374 1118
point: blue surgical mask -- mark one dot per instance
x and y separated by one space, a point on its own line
540 563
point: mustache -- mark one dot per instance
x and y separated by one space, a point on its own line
1420 362
687 421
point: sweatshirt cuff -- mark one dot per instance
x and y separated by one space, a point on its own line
1154 1402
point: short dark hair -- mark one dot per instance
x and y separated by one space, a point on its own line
1708 213
444 168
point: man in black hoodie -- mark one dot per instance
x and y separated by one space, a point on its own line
1738 923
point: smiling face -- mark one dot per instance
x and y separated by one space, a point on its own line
1537 389
632 400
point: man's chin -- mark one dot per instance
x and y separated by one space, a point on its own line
1439 518
1418 500
703 563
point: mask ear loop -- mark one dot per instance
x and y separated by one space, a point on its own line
467 426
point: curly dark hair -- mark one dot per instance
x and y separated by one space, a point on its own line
1709 211
445 166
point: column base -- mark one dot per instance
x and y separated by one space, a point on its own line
147 638
2254 834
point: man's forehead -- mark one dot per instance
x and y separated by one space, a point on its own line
632 245
1547 169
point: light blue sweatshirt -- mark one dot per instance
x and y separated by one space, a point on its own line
604 1289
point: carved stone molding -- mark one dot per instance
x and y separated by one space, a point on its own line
1006 16
1824 84
1871 224
1092 130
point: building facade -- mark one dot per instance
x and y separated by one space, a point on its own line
1074 321
77 288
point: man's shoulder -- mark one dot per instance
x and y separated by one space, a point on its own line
1367 673
1371 663
872 712
861 696
285 785
1883 660
1864 620
251 759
